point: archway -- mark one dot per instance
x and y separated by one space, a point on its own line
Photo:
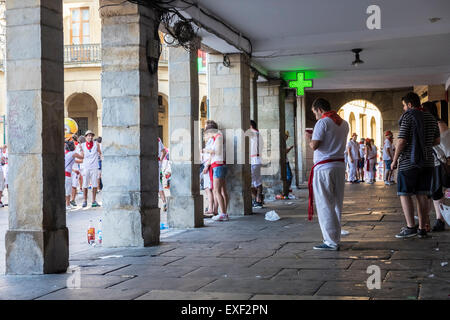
83 109
369 124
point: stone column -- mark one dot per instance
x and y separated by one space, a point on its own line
37 240
301 138
229 105
254 95
290 126
186 203
129 120
271 115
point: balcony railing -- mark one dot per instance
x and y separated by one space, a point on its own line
82 53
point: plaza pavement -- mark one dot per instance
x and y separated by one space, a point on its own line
251 258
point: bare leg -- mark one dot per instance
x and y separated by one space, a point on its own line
67 201
422 210
218 195
74 193
408 210
259 194
163 196
210 200
85 191
94 194
225 194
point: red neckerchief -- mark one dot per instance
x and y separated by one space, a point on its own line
333 116
89 145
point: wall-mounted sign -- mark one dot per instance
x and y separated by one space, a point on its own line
300 83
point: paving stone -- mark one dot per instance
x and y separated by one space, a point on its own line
154 271
434 290
147 260
234 272
388 290
294 297
191 295
400 244
97 270
94 294
153 283
442 265
305 263
417 276
330 275
350 254
429 254
211 261
294 287
392 264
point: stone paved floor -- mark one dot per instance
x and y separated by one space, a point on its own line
250 258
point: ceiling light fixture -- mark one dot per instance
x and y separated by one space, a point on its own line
357 61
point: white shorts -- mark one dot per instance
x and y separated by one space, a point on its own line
206 181
256 175
68 186
75 180
90 176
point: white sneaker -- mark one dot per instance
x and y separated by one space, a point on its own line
220 217
68 208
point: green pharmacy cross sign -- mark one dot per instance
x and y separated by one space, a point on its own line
300 83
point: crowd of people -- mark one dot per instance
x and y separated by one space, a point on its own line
421 157
361 159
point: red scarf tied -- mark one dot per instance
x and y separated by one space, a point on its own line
333 116
89 145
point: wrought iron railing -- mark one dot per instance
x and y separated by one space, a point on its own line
82 53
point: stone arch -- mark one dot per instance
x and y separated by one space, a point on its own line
83 108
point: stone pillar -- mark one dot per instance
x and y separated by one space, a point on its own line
186 203
301 138
254 95
129 120
37 240
290 126
229 105
271 115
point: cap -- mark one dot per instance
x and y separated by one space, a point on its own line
89 132
388 133
354 134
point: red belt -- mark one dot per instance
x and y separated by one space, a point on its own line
255 155
310 186
68 174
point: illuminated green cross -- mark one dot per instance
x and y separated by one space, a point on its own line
300 83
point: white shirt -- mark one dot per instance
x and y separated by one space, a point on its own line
218 149
68 159
386 154
361 150
208 146
90 160
444 145
332 142
256 144
354 149
372 153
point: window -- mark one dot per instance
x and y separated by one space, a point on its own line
80 28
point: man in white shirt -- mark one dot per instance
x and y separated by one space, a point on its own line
91 150
388 155
353 157
256 144
326 181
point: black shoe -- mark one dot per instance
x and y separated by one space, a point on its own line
407 232
439 225
258 205
422 233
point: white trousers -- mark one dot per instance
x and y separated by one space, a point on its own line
352 170
328 185
370 173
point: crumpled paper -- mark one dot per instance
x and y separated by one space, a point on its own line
272 216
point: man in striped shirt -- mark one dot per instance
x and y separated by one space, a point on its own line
418 134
